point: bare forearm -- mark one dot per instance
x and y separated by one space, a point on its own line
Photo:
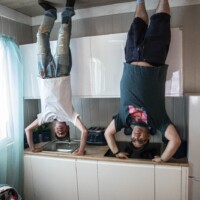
29 133
172 146
83 141
111 142
170 150
84 133
174 142
29 136
110 137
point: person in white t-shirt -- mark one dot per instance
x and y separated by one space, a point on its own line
54 78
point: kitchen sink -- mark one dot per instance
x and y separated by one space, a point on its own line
61 146
148 152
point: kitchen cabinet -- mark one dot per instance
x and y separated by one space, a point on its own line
95 60
81 73
193 147
79 179
171 183
50 178
125 181
28 179
57 178
184 183
97 65
107 64
87 177
30 71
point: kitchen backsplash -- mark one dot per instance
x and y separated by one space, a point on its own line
99 112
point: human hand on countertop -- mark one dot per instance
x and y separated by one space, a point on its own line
122 155
79 153
36 150
157 159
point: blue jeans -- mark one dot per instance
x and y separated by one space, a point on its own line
59 65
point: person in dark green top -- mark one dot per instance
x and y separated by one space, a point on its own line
142 87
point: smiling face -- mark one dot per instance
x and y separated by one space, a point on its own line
140 136
61 130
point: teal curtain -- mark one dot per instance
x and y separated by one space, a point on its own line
11 114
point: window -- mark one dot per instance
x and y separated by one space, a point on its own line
11 112
4 93
10 86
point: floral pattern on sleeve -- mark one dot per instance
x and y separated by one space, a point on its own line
138 114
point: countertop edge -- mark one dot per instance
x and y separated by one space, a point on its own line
91 154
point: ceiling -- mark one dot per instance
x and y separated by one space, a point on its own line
32 9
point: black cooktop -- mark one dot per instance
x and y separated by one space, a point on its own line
148 152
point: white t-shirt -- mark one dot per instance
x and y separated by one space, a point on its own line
56 100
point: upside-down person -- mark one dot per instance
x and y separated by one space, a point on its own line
54 78
142 87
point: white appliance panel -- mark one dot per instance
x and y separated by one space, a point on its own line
193 149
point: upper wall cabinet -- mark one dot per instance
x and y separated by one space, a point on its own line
174 83
98 64
107 64
81 73
29 55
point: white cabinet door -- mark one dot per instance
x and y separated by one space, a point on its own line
87 180
174 82
54 178
81 73
107 64
29 56
125 181
28 179
184 183
194 188
168 183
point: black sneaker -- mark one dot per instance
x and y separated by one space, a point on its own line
46 5
70 3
